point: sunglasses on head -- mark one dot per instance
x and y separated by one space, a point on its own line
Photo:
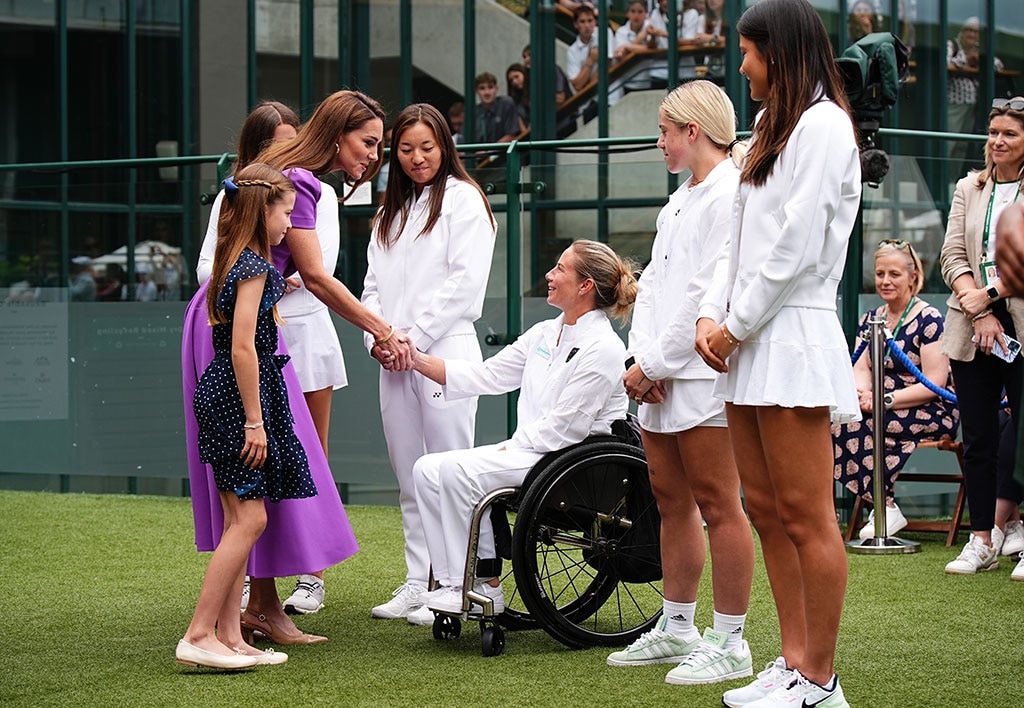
1014 104
894 242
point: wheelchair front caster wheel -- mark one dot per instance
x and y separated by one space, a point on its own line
492 641
447 627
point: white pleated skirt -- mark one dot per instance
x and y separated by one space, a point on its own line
689 403
315 350
798 360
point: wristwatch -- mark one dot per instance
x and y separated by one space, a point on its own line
993 292
889 400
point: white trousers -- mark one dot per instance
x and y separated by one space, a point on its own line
418 420
448 487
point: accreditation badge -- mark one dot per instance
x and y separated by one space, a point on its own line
989 273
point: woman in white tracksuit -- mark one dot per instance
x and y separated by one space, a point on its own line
428 263
567 370
693 474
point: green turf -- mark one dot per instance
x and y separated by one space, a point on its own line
96 591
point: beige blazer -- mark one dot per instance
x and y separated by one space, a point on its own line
961 253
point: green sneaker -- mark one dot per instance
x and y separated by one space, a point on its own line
801 692
711 662
654 647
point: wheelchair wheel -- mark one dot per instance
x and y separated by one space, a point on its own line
492 640
586 546
446 627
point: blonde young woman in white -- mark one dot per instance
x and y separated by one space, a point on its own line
693 474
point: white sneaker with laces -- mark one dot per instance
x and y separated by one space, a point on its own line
449 601
308 597
655 646
801 693
422 617
775 674
405 599
894 521
975 557
711 662
1013 538
1018 572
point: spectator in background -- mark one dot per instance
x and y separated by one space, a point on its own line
862 21
963 57
581 59
566 123
519 91
497 119
82 283
456 118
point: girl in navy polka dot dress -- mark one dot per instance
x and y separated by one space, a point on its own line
245 425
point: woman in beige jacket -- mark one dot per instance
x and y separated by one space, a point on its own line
980 317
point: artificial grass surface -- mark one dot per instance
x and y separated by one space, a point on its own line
97 590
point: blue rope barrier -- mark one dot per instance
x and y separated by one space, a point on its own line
900 356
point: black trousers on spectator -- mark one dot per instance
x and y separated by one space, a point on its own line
980 385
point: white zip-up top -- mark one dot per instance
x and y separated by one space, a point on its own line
570 386
432 285
693 235
790 235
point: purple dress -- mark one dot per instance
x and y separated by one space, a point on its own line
302 535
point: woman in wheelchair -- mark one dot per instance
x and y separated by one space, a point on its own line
567 371
693 474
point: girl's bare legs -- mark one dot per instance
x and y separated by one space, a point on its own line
682 533
222 585
788 486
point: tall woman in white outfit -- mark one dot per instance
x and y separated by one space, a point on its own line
428 262
770 325
567 372
693 474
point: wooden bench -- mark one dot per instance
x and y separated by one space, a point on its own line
951 526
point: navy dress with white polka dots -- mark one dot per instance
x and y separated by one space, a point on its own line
218 404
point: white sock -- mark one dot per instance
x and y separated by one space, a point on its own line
680 619
731 625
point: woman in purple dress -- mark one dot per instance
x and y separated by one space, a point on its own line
344 133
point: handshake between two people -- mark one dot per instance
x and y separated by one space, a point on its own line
396 352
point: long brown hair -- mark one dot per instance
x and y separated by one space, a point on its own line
258 130
316 145
242 224
792 39
401 188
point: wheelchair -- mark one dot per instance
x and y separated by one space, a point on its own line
584 545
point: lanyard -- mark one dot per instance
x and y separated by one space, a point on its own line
903 317
988 218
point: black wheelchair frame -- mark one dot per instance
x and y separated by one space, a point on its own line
585 549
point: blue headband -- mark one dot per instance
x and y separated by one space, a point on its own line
230 188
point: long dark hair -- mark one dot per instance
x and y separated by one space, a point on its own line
401 188
258 130
792 39
316 145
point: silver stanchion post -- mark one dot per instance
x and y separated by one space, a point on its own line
881 543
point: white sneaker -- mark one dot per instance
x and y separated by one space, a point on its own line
711 662
307 598
422 617
406 598
801 692
1013 538
449 600
655 646
245 593
894 521
775 674
975 557
1018 572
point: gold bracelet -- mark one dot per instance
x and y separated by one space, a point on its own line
728 337
382 342
981 315
254 426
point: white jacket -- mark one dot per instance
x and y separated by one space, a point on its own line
433 285
693 235
570 388
790 235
